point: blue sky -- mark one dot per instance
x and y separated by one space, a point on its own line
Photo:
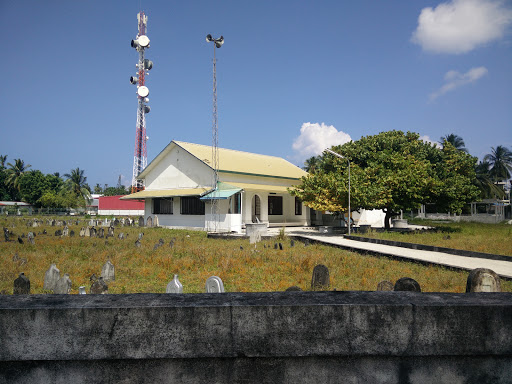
293 77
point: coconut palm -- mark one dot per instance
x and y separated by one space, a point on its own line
3 159
311 165
500 161
456 141
484 182
77 183
15 172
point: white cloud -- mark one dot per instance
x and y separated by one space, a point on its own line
454 80
427 139
460 26
315 138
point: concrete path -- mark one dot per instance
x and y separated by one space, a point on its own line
502 268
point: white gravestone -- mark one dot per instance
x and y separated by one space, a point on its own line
214 285
174 286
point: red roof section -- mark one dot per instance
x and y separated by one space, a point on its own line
114 204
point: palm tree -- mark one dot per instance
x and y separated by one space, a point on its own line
3 159
15 172
454 140
77 182
500 161
311 164
484 182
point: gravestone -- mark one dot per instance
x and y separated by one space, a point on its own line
214 285
51 277
171 243
174 286
21 285
407 284
385 286
101 232
108 272
93 232
110 232
141 221
82 232
281 246
155 221
6 234
141 235
99 287
81 290
58 232
20 240
63 286
116 223
161 241
292 243
121 236
254 237
149 222
293 289
137 243
65 231
483 280
31 238
71 233
320 279
87 232
275 246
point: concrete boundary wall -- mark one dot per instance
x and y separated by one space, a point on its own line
393 337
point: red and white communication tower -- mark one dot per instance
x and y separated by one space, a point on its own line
140 158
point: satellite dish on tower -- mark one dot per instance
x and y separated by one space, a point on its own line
141 41
143 91
148 64
134 79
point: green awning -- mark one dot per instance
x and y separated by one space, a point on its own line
222 192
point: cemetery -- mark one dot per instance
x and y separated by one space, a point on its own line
88 297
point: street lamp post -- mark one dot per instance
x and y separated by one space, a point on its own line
342 157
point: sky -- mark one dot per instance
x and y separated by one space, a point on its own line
293 77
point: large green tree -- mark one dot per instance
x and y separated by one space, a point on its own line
391 171
34 184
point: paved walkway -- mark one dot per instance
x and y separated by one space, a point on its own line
502 268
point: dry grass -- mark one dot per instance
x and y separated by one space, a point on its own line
194 258
477 237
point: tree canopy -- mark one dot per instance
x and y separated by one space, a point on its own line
391 171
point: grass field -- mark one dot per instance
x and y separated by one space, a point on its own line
194 257
477 237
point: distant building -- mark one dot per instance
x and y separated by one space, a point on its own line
15 207
252 188
113 206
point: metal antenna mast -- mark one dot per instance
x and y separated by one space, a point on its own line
140 158
215 217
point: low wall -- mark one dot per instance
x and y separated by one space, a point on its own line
292 337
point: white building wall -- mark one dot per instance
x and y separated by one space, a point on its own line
178 169
176 220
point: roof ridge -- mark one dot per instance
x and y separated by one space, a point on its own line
228 149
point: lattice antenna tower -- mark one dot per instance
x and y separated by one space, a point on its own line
140 158
215 217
